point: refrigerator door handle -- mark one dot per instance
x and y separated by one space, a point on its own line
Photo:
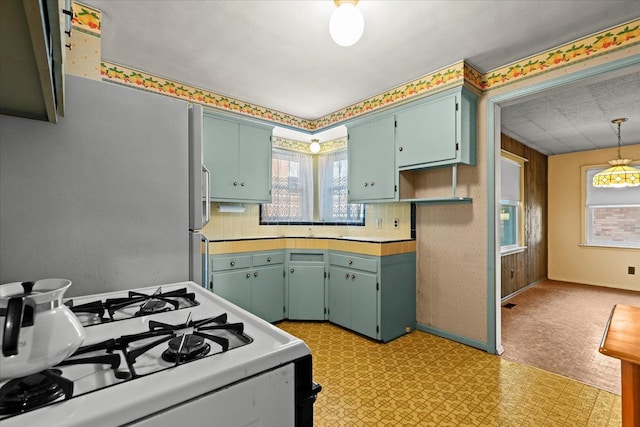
205 267
207 196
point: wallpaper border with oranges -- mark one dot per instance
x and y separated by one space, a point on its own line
459 73
86 19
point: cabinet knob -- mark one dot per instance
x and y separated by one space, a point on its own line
242 184
232 263
248 275
268 259
353 276
350 261
255 274
291 271
346 276
400 148
372 183
235 184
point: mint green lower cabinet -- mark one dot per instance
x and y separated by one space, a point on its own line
252 281
397 295
234 286
374 296
306 292
353 300
267 293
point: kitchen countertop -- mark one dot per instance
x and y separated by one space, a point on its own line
377 246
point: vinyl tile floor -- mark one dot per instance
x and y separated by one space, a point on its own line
424 380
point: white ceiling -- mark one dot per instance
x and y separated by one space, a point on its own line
279 55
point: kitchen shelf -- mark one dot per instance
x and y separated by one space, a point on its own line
408 191
439 200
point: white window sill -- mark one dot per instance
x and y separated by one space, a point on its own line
604 245
512 251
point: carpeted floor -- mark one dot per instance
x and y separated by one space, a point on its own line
558 326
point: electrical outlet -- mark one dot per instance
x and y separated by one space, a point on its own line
396 221
631 270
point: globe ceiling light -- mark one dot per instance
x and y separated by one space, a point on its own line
347 23
620 174
314 147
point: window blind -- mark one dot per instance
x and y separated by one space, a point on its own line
509 180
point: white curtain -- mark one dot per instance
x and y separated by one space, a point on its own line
292 188
332 188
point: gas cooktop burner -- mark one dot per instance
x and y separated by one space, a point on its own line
153 306
135 304
186 348
26 393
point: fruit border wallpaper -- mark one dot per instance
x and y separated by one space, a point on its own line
620 37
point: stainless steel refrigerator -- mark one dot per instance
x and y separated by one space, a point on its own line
112 197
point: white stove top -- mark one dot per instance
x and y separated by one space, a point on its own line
162 384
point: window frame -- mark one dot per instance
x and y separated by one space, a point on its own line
587 211
519 205
316 197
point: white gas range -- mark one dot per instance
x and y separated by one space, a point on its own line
166 355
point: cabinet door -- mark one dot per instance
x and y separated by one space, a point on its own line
306 292
267 293
255 164
427 133
372 169
364 303
234 286
221 156
340 284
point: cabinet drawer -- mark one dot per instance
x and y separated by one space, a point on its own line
356 262
231 263
268 259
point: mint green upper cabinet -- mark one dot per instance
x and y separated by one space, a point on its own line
438 131
238 155
371 155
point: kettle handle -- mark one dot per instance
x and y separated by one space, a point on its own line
12 322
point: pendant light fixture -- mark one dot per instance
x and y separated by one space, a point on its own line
347 23
620 174
314 147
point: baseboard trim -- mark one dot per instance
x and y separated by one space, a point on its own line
519 291
453 337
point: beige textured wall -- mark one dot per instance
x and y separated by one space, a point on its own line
568 261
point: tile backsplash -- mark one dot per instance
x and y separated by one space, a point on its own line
225 225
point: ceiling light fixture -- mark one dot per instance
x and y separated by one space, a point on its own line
620 174
314 147
347 23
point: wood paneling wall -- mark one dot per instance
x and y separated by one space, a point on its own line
524 268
